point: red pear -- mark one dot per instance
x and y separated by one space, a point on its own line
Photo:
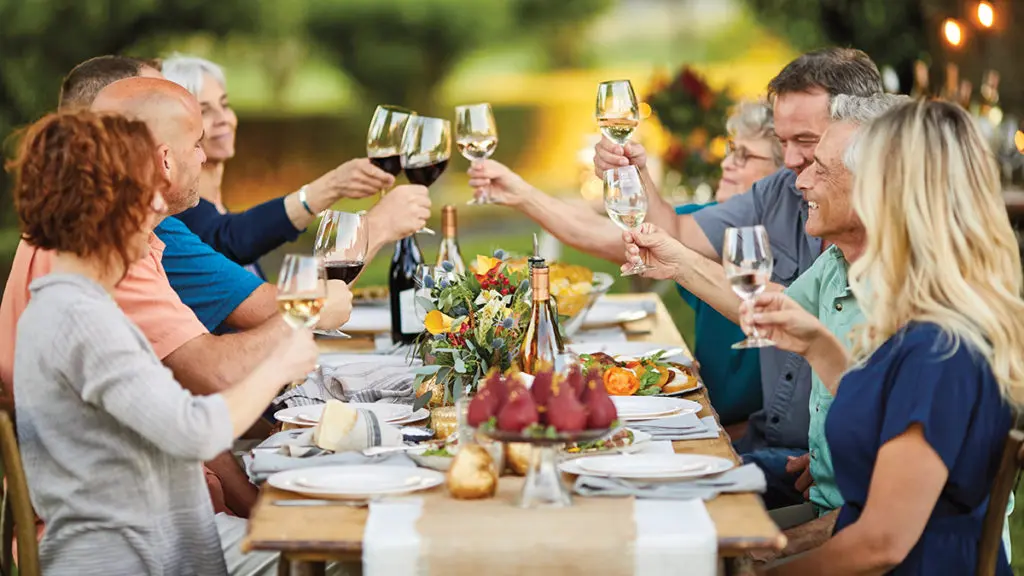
575 380
482 407
601 410
541 388
498 386
518 413
565 412
594 376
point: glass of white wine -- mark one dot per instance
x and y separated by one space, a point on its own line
625 200
617 111
476 135
301 290
747 259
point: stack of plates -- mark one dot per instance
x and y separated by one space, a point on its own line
648 466
355 482
636 408
396 414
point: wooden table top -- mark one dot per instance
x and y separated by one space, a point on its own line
336 532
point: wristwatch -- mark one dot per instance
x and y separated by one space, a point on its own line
302 199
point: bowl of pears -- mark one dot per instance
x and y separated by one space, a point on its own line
555 409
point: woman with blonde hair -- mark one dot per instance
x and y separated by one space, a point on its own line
928 390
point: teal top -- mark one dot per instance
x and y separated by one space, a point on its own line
733 377
823 290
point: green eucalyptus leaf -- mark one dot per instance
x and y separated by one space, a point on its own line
422 400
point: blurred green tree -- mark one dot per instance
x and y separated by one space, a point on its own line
893 33
400 51
41 40
896 33
559 26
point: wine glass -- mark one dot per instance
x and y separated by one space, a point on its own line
341 244
301 290
426 148
617 112
625 200
384 138
476 135
747 259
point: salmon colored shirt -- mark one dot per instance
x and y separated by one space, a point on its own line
144 295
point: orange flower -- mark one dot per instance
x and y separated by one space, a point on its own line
483 265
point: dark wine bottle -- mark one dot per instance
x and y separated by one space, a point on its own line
405 326
543 340
449 249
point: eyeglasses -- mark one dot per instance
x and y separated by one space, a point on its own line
740 155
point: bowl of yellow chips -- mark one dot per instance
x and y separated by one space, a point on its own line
575 290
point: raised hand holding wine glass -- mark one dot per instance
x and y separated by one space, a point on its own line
617 111
476 135
625 200
426 148
301 290
747 260
384 137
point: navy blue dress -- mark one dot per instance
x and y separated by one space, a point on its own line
914 378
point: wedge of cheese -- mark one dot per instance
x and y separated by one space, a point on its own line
332 431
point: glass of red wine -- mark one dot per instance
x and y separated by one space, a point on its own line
426 148
342 241
384 138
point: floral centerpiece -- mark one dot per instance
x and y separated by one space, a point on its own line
475 322
695 114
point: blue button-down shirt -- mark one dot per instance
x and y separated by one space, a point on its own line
775 203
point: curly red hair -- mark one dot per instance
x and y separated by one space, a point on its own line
85 183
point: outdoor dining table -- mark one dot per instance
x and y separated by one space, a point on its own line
311 536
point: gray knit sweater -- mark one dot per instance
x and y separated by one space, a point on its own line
112 444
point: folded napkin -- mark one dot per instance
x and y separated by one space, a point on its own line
706 429
672 426
747 478
354 378
295 449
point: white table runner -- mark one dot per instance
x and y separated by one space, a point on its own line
670 534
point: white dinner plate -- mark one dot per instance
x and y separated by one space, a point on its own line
649 466
390 413
629 350
355 482
633 408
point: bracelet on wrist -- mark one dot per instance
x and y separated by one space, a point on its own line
303 201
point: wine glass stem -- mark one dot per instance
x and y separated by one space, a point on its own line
754 334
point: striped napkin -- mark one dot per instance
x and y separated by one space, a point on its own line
355 378
295 449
